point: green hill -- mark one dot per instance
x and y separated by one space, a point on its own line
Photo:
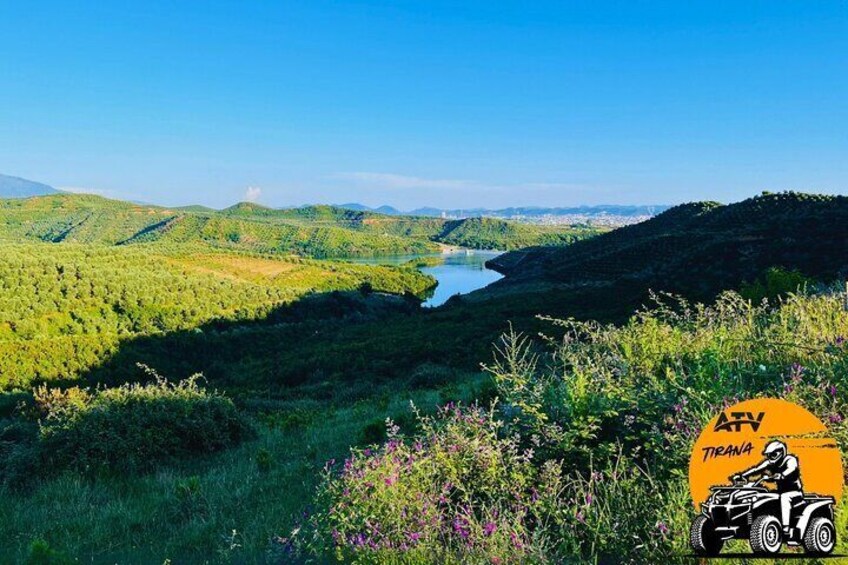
77 218
697 249
314 231
477 233
66 308
489 233
245 234
81 218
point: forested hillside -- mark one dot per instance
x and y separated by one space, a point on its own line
475 233
65 309
92 219
488 233
317 231
696 249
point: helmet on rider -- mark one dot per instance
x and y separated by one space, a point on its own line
775 450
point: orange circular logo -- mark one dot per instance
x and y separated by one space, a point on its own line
767 471
734 441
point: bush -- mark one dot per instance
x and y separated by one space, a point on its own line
40 553
462 491
456 491
775 283
134 427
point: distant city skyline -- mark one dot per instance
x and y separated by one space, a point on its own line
412 104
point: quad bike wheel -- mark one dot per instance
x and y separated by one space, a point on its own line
820 537
766 535
703 537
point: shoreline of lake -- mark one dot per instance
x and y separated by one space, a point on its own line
460 270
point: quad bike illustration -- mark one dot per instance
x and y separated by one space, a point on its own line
766 518
747 510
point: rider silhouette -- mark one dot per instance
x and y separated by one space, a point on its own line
782 468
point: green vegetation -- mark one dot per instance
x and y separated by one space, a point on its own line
488 233
584 457
610 414
65 309
319 232
232 506
775 283
132 428
475 233
102 461
696 249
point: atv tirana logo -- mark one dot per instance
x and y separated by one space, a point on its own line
775 481
736 420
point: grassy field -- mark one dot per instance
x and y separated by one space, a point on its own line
230 507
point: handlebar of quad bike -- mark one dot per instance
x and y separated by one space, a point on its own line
738 480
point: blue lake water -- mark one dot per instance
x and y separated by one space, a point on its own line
459 273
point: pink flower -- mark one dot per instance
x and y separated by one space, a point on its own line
489 529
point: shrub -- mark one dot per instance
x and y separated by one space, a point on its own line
461 491
135 427
775 283
456 491
40 553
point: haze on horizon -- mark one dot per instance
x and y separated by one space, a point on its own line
426 103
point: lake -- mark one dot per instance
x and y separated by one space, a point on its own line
460 272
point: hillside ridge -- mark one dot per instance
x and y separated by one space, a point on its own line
796 231
316 231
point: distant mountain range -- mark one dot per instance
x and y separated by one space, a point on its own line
15 187
520 211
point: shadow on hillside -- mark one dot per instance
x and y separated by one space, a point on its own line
333 344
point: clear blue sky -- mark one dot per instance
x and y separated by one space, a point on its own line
410 103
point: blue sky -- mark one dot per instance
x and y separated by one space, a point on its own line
452 104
